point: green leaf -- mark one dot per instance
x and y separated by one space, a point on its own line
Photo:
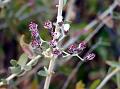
113 63
13 62
4 81
43 73
110 70
23 59
27 68
15 70
46 70
102 52
116 15
45 46
65 1
95 84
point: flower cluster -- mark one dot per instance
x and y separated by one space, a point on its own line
53 43
73 49
48 25
56 35
36 41
89 56
57 52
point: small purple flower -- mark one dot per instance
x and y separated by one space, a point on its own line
82 46
48 25
36 43
57 52
53 43
73 49
34 30
89 56
34 34
33 26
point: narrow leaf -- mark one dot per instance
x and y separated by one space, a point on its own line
95 84
15 70
42 73
27 68
46 70
13 62
113 63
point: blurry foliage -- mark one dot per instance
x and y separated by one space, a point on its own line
35 83
80 85
14 22
94 84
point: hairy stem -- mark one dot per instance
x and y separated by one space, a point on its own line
52 61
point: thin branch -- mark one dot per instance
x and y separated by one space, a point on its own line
14 75
94 32
52 61
103 15
108 77
50 70
118 77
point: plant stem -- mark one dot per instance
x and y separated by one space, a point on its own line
108 77
60 8
52 61
118 78
14 75
59 14
50 70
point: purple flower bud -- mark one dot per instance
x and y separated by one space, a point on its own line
34 30
73 49
34 34
57 52
33 26
48 25
35 43
82 46
53 43
89 56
